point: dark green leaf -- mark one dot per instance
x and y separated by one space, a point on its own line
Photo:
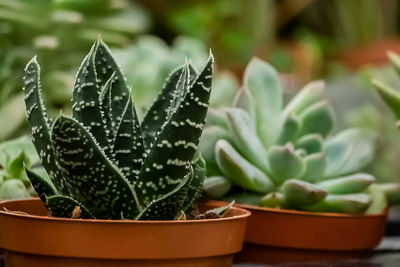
93 179
169 159
168 206
62 206
42 187
39 123
196 184
128 144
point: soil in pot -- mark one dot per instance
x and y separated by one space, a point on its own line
34 239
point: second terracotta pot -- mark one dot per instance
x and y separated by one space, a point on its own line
315 231
31 238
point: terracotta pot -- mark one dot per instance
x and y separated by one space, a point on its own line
34 239
370 54
316 231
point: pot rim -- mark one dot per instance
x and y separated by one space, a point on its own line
305 213
311 214
243 214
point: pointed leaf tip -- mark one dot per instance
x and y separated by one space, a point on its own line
32 61
210 55
99 39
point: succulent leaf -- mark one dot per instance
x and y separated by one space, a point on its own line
263 82
311 143
285 163
390 95
168 206
217 117
157 115
86 101
392 192
244 100
274 200
310 94
379 201
315 167
244 198
349 151
196 184
290 129
352 203
395 59
62 206
107 70
43 187
238 170
128 145
105 101
300 193
207 146
244 135
40 124
350 184
169 159
318 118
216 186
93 179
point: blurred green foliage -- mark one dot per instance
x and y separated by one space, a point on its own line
59 32
358 105
14 156
148 62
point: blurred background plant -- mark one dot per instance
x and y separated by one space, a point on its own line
59 32
15 155
343 42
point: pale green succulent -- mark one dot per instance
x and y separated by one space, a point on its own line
107 163
265 154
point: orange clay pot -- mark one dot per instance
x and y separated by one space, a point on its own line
34 239
313 231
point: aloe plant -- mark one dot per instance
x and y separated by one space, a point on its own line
259 152
103 161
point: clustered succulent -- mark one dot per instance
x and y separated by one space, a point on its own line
262 153
102 162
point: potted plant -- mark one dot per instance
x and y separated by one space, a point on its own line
117 186
286 167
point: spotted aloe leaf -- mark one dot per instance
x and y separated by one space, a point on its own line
43 187
170 158
168 206
166 102
62 206
40 124
128 145
196 184
93 180
106 66
158 112
86 101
